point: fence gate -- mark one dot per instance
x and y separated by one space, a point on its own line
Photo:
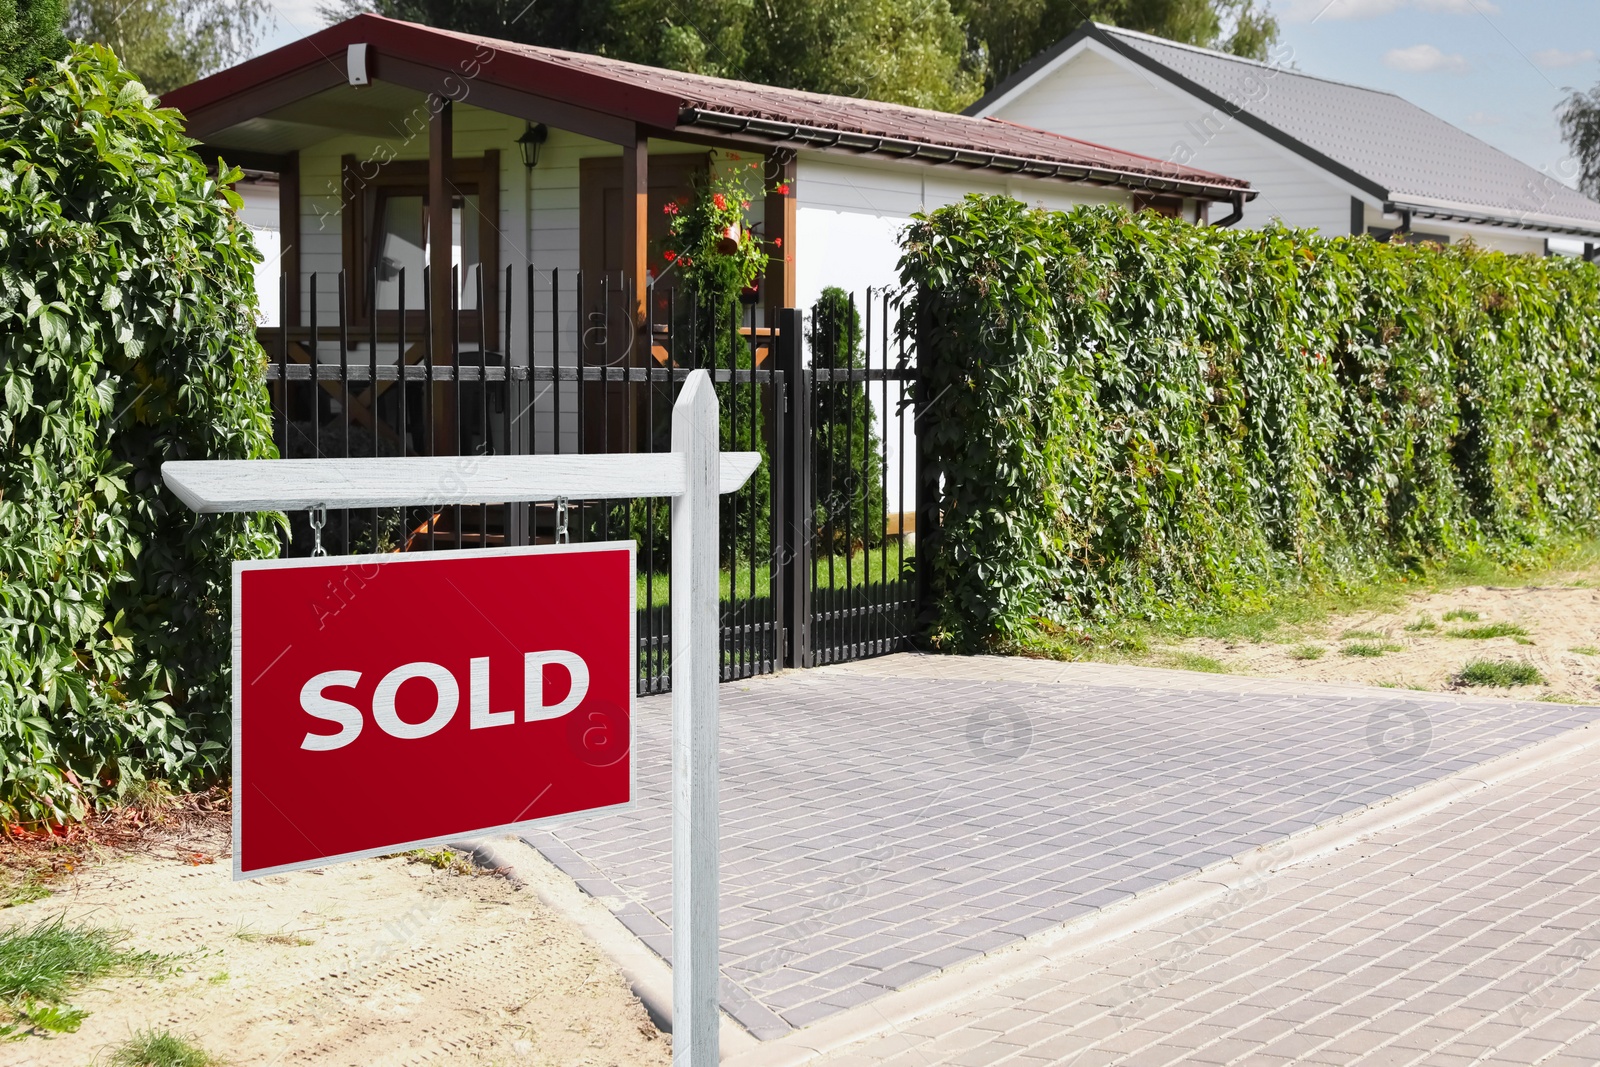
817 549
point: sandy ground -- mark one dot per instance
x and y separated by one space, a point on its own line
372 962
1561 618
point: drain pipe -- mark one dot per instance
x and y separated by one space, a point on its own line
1235 215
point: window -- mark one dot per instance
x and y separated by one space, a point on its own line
387 243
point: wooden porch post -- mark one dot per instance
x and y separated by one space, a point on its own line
779 215
440 195
441 322
636 237
289 235
635 281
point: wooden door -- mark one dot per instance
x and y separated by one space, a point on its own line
609 336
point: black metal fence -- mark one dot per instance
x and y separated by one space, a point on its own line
817 550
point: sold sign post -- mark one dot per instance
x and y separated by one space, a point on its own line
393 701
389 701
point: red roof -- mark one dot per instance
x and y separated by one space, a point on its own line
667 100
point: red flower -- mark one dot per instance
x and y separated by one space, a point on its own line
777 242
669 255
733 155
783 188
720 201
669 208
744 205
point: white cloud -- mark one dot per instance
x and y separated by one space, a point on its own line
1555 58
1425 59
1312 10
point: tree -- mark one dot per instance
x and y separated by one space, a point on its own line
1580 128
903 51
1008 33
166 44
30 35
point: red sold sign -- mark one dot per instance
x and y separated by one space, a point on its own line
387 702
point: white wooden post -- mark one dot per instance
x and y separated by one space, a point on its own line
695 666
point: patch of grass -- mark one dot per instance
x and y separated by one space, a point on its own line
1562 698
219 978
1523 640
1362 635
1424 624
440 859
1488 630
1307 652
1300 607
1369 650
1585 650
24 888
160 1048
1461 615
279 937
40 965
1499 673
1193 661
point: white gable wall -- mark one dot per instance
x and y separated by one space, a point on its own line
1103 97
1106 99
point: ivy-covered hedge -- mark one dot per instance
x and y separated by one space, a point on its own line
126 339
1130 413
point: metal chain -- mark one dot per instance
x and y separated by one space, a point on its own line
562 535
319 519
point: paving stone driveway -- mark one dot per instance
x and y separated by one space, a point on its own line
879 826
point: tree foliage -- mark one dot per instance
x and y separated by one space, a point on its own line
1580 128
166 44
938 54
1130 413
127 338
1008 33
30 35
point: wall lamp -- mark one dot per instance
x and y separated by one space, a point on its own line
530 141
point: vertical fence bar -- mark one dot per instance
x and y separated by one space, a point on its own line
483 406
795 534
344 384
885 630
372 387
283 362
428 421
455 389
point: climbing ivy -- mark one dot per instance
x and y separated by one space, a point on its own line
126 339
1127 413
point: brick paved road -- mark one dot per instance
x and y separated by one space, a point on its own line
1469 936
877 828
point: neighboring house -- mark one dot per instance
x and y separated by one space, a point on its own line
1321 153
259 189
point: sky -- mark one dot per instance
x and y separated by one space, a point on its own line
1495 68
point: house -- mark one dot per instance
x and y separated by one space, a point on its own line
1323 154
379 129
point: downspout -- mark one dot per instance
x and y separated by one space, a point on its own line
1233 216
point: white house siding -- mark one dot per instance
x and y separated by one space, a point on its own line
1110 101
260 214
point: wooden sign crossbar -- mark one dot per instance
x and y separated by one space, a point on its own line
693 474
213 486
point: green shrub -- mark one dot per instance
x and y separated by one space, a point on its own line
126 339
1499 673
1129 415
